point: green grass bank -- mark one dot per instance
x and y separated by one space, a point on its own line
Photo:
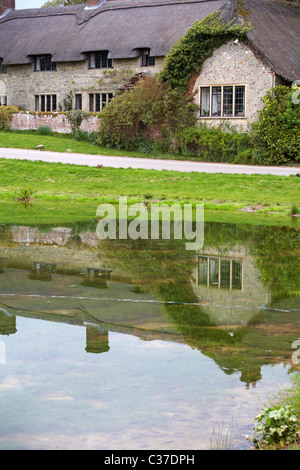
77 190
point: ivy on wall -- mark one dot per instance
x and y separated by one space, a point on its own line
187 56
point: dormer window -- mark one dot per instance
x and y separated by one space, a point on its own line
100 60
3 68
44 63
146 59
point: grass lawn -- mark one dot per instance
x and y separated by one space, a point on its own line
64 143
71 185
64 192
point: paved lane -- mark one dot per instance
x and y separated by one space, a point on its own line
145 163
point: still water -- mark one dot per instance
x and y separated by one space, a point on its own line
142 344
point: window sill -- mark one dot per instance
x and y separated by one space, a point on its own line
44 71
100 68
222 117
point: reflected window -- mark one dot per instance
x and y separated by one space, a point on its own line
202 271
219 272
236 275
225 273
213 272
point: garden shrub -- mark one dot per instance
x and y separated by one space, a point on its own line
277 130
277 424
6 114
75 118
44 130
216 145
150 112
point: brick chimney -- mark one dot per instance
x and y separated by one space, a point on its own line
7 5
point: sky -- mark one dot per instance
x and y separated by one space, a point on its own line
21 4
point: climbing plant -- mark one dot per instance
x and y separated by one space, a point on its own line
186 57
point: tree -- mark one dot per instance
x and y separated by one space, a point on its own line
63 3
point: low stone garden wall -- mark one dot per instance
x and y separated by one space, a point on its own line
58 122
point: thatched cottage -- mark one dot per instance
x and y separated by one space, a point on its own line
49 56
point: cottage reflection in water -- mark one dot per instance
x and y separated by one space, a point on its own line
54 275
228 286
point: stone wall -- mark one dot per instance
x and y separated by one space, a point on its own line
56 121
235 63
22 83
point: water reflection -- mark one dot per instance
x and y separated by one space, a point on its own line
236 301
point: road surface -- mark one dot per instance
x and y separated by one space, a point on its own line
144 163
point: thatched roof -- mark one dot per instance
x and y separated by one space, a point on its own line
124 26
276 35
119 26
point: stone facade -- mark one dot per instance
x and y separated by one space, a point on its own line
22 84
236 64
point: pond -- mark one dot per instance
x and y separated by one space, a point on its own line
142 344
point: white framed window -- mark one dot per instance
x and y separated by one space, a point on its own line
223 101
3 100
45 103
98 101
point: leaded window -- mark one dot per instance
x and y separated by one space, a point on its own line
223 101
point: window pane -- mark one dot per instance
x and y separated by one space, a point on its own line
145 57
202 271
104 60
151 61
48 103
92 60
227 101
104 97
98 103
54 102
78 103
240 101
236 274
37 64
43 103
213 272
205 101
98 60
225 273
37 103
216 101
91 103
